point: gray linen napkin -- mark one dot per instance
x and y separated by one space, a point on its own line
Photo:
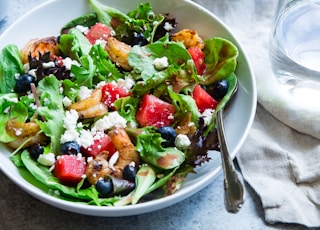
281 156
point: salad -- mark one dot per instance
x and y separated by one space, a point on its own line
118 108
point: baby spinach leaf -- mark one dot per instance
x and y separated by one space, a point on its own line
84 74
42 174
10 65
141 58
74 44
106 14
220 58
85 20
11 109
105 69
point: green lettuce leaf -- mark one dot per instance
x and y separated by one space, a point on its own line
151 151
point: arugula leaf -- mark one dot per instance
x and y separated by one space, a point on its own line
185 104
145 21
84 74
70 89
127 108
74 44
10 65
105 69
52 110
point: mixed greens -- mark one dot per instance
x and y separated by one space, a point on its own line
115 110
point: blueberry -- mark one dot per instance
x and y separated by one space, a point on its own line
35 151
139 39
219 89
104 187
129 173
70 148
169 134
23 83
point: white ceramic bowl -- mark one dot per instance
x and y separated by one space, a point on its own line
238 117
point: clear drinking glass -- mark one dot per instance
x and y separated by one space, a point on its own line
3 9
295 49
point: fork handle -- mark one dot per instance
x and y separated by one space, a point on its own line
233 187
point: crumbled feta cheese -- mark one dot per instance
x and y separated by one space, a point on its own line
83 29
167 26
66 101
68 62
89 159
127 83
207 115
112 119
182 141
70 124
16 75
18 132
10 99
47 159
32 72
71 118
86 138
69 135
84 93
161 63
100 84
48 65
101 42
112 33
33 106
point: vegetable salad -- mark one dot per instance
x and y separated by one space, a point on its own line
117 109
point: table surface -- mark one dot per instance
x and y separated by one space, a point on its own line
204 210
